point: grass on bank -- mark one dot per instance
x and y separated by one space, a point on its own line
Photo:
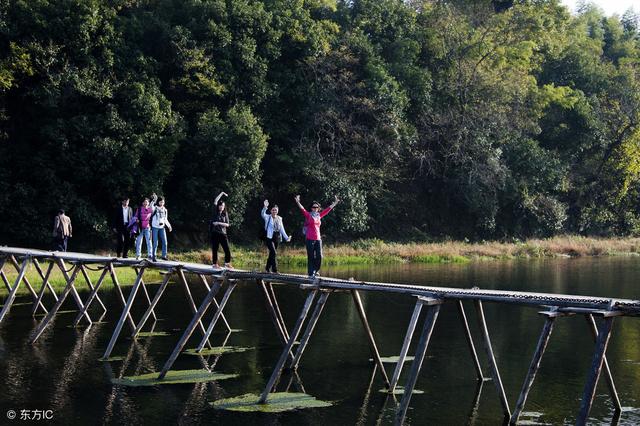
374 251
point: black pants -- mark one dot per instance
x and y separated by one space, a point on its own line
217 240
272 261
123 237
314 256
60 243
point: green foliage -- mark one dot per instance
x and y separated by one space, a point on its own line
429 119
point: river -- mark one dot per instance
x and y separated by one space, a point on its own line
62 371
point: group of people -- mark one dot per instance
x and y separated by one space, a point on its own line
272 233
150 223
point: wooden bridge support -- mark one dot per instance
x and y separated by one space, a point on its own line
602 341
493 365
197 317
421 350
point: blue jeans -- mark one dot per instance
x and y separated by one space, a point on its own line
314 256
146 233
162 233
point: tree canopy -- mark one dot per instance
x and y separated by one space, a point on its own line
464 119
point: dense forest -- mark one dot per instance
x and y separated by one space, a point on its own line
430 119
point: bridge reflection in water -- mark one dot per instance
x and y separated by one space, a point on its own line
599 313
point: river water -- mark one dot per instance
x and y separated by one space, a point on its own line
62 373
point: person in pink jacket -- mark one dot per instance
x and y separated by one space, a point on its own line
142 220
312 222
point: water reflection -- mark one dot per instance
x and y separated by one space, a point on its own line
62 372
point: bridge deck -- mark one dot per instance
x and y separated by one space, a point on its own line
563 301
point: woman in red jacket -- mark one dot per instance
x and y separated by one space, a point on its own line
312 222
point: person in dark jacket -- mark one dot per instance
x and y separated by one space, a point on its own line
218 232
121 219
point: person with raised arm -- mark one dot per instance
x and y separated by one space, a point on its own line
218 232
312 222
159 227
273 233
142 219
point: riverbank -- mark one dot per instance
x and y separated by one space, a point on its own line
372 251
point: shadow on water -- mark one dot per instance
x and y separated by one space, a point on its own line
62 371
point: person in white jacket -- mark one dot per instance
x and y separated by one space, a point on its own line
273 233
159 226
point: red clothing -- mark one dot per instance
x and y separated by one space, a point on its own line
312 224
144 213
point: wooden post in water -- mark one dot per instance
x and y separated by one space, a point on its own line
405 345
602 341
116 284
33 293
543 340
94 294
197 317
215 302
153 304
146 295
217 315
74 292
310 326
125 312
67 289
287 349
277 308
421 350
45 285
607 371
12 293
495 373
472 347
372 342
280 328
192 304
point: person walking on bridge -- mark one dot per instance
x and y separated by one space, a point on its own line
122 216
61 231
273 233
218 232
312 233
159 226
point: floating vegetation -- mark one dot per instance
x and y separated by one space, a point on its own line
276 403
57 313
152 333
112 358
393 359
399 390
218 350
172 377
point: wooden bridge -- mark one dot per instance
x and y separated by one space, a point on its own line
599 313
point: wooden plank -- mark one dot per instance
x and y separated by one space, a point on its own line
116 284
92 288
